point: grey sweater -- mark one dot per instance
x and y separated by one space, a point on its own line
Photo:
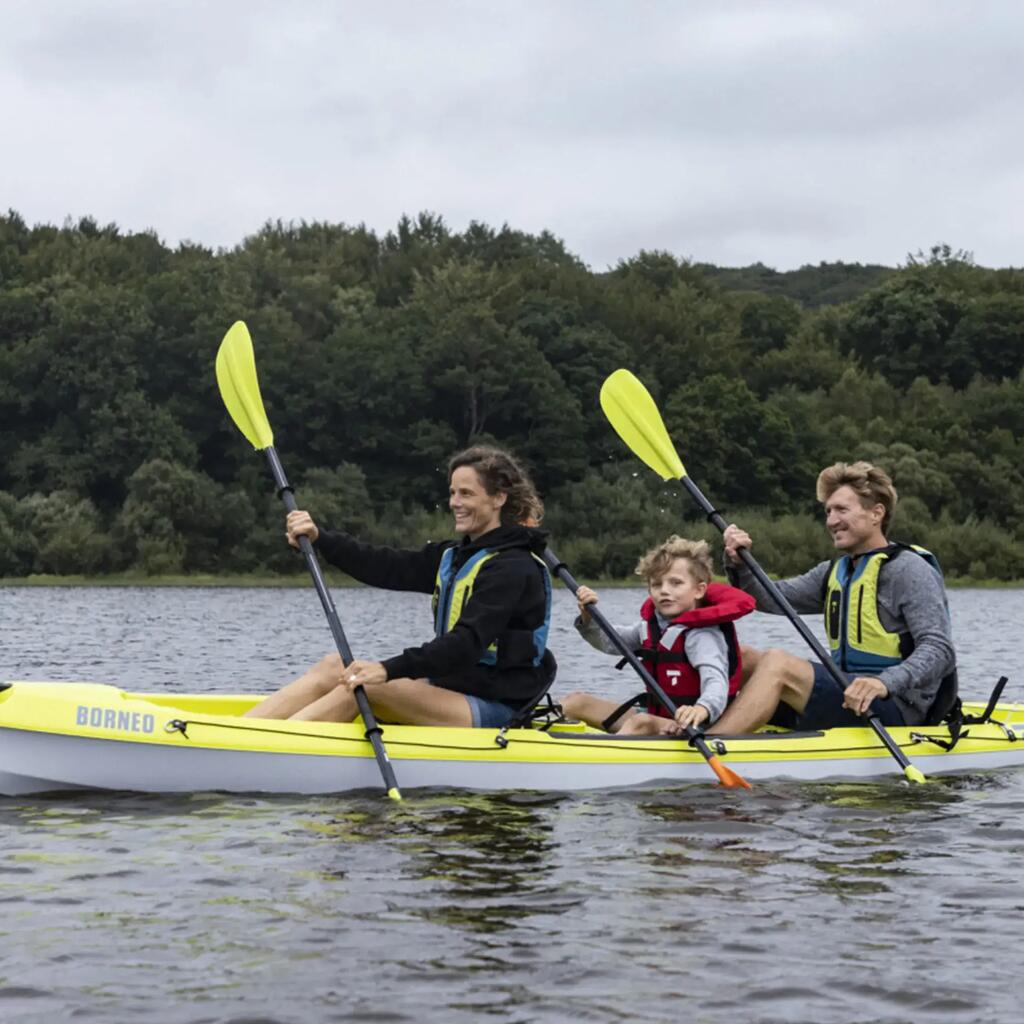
911 599
705 648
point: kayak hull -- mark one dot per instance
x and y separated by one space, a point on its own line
63 736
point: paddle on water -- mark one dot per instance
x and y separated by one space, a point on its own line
631 411
240 389
725 774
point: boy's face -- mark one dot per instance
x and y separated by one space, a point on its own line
677 591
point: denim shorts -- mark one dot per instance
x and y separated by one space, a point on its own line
825 709
489 714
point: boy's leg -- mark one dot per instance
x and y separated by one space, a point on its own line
644 724
592 710
778 676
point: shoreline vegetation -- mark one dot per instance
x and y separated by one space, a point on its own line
382 354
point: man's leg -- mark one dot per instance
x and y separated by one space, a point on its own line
777 676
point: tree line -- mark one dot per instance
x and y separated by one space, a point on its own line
381 354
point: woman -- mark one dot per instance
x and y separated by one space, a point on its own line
492 610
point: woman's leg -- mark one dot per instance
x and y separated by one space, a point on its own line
310 687
405 701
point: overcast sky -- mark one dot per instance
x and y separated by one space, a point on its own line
726 132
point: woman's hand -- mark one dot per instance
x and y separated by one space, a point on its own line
300 524
585 596
734 539
692 715
363 673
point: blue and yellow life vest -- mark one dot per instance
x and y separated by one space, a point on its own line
453 589
859 642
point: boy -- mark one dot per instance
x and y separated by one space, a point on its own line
685 639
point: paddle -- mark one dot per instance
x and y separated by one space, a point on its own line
240 389
725 774
632 412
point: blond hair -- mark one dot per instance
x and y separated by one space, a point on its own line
872 485
658 561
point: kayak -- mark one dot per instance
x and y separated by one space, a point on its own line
61 736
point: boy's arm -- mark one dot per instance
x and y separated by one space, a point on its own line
594 635
708 653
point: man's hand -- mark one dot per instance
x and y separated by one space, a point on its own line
734 539
862 691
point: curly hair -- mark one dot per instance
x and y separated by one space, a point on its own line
871 484
500 472
656 563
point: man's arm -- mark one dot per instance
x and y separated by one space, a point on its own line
803 592
912 598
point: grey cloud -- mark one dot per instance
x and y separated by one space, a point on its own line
740 131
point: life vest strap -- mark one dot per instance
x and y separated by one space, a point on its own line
639 698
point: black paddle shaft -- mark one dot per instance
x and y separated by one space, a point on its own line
373 730
561 570
715 518
285 493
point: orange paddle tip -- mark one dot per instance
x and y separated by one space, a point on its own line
727 777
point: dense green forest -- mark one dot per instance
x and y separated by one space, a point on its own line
381 355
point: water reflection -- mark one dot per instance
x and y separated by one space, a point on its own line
475 861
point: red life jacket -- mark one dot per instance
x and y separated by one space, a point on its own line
664 654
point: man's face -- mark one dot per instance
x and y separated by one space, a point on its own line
853 527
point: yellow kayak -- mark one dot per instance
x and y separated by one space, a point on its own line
62 735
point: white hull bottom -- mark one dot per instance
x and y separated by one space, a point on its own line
31 762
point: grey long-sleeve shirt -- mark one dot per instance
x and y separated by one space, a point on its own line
911 600
705 648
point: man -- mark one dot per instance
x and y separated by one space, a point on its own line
885 615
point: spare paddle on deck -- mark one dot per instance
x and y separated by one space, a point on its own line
631 411
240 389
725 774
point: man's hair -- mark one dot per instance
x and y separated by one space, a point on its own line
871 484
501 472
656 563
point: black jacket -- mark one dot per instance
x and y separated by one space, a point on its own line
508 594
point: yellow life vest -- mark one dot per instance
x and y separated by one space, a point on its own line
453 589
859 642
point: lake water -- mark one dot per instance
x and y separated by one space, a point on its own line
795 903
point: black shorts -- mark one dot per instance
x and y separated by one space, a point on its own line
825 709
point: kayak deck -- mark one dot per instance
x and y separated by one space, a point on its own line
69 735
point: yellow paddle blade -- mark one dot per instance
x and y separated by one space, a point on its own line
240 388
631 411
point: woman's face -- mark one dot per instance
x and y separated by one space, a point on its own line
475 511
